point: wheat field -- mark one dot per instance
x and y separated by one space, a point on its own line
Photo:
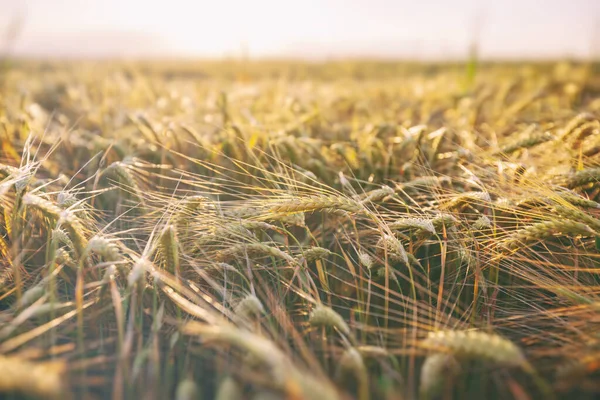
287 230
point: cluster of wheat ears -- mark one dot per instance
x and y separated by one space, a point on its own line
289 231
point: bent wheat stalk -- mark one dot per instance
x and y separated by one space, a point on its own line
544 230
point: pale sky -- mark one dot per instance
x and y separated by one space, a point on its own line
303 28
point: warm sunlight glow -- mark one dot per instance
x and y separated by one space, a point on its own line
311 28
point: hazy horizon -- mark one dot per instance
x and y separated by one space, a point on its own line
311 29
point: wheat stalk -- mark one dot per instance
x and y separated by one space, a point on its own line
583 177
365 260
351 363
577 200
169 248
316 253
476 345
122 171
393 247
437 372
527 142
378 194
323 316
579 216
105 248
543 230
423 225
317 203
248 307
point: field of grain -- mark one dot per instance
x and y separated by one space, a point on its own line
277 230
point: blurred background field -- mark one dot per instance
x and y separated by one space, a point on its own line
324 223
